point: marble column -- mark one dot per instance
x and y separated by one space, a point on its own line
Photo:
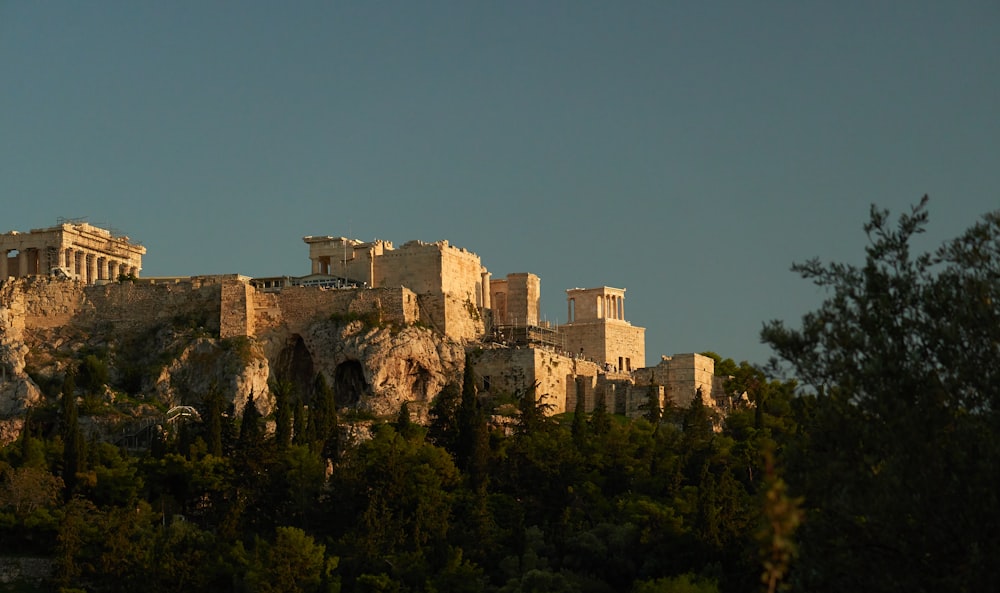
91 269
22 263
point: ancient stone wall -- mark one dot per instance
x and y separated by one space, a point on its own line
682 375
51 302
417 266
131 306
236 317
516 298
561 379
294 308
618 344
462 275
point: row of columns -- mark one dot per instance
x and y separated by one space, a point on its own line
87 265
91 267
613 306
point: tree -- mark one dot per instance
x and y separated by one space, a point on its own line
251 435
473 435
73 446
284 396
294 563
600 420
579 427
443 427
323 427
653 411
899 452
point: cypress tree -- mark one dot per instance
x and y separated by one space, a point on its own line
600 420
473 436
284 394
579 426
213 420
323 425
653 411
73 448
250 433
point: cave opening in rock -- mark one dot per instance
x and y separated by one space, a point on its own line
295 364
349 383
420 380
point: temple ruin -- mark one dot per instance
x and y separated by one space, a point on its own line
75 250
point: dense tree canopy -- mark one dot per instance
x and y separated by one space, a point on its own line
898 457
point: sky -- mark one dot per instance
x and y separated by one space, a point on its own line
689 152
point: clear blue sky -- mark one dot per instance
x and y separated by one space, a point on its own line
687 151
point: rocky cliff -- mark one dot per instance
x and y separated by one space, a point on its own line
160 346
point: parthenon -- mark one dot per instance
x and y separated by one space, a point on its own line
75 249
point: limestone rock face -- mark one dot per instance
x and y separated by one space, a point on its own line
160 344
17 390
237 371
378 369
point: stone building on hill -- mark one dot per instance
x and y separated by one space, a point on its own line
74 250
406 317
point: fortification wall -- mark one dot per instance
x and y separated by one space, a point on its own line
561 379
626 345
618 344
416 266
682 375
49 302
236 310
294 308
462 275
44 302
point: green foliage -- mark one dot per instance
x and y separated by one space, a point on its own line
897 455
323 427
685 583
92 374
251 432
73 445
443 429
284 400
293 563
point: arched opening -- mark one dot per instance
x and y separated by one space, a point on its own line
349 383
420 380
295 364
